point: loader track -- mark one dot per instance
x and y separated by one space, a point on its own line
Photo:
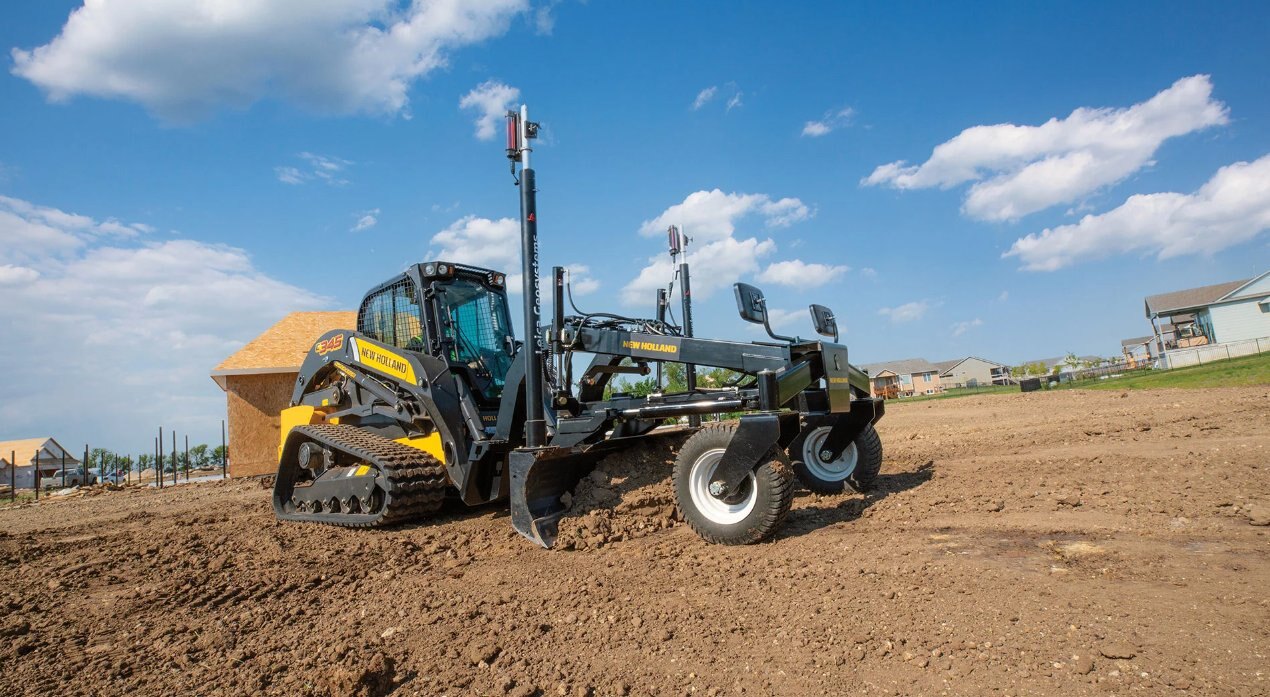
411 483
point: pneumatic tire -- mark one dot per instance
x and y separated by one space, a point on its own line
856 469
760 507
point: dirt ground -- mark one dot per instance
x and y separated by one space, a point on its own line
1065 543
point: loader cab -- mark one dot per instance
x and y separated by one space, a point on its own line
452 312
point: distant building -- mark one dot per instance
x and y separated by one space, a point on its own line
972 371
1059 365
906 378
258 381
26 453
1220 313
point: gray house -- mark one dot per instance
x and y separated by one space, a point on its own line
972 371
1220 313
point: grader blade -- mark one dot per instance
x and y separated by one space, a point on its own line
539 478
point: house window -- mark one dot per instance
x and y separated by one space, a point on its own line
1264 305
907 379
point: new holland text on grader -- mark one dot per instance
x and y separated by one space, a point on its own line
432 394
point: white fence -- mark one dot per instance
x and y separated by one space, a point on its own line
1198 355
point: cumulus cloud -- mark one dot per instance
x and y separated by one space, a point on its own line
710 218
581 282
490 100
317 168
490 244
1019 170
796 272
366 221
734 101
832 121
126 321
712 215
1231 207
182 60
907 312
959 328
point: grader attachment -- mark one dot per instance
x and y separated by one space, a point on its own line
431 395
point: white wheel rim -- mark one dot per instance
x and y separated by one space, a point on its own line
717 510
835 471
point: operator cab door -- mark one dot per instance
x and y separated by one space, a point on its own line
475 335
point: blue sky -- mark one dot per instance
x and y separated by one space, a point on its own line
174 183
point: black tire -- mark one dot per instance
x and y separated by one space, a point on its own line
766 496
836 478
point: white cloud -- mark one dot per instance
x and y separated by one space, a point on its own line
869 272
1019 170
490 244
708 95
128 322
366 221
710 218
796 272
11 275
321 168
491 100
907 312
1004 296
1232 207
581 282
715 265
832 120
704 97
959 328
182 60
712 215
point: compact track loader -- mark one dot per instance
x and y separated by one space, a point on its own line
432 396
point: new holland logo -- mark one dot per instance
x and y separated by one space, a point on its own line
383 360
649 346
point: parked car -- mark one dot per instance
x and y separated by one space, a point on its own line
109 476
72 478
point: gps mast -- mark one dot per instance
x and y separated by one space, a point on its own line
520 130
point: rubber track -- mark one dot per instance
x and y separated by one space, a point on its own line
416 480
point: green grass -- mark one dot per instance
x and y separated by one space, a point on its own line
1236 372
961 392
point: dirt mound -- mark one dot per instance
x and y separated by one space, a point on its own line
627 496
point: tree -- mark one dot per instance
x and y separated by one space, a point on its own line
218 455
144 462
1071 361
200 457
96 459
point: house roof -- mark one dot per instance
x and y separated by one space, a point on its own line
282 347
945 366
1191 298
1139 341
907 366
23 450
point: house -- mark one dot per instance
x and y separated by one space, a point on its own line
258 380
972 371
1220 313
26 453
906 378
1138 351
